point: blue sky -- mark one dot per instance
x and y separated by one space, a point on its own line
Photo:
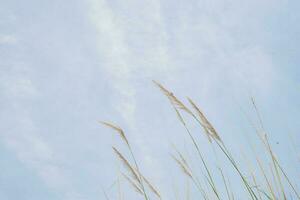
66 64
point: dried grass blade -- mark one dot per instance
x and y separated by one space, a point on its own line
127 166
152 188
173 99
209 129
116 128
183 167
133 184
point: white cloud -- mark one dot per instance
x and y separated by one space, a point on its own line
22 136
8 39
115 55
117 38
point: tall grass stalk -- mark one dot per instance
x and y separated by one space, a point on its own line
271 185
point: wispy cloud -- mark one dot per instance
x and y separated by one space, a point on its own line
8 39
21 135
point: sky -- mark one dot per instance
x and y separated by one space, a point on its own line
67 64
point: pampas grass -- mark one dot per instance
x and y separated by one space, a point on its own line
137 180
267 186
